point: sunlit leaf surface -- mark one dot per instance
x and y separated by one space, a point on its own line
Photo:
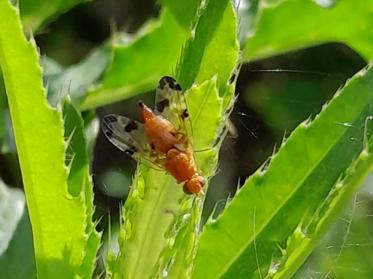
285 200
38 129
294 24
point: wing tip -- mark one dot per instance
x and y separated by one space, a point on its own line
170 81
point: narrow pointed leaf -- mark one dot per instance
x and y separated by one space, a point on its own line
80 182
39 137
213 50
74 81
37 13
158 214
134 69
12 206
278 30
156 199
253 232
18 260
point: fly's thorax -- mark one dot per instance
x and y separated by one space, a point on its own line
161 134
162 137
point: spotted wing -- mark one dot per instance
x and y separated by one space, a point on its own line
170 102
129 136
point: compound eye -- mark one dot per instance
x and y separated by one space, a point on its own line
186 189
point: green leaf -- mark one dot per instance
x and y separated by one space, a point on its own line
74 81
60 221
79 180
282 201
156 202
213 50
278 30
136 66
183 11
37 13
346 244
7 145
7 137
2 107
247 13
12 205
91 130
18 261
300 244
206 112
160 229
16 247
6 132
133 69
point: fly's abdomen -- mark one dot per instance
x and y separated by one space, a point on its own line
180 165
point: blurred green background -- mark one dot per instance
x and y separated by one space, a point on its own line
273 97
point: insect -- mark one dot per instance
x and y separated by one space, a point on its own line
162 139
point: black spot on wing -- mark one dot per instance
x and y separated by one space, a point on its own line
132 125
161 105
109 119
176 86
166 80
130 151
170 81
184 114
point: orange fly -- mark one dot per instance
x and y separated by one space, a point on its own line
162 138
